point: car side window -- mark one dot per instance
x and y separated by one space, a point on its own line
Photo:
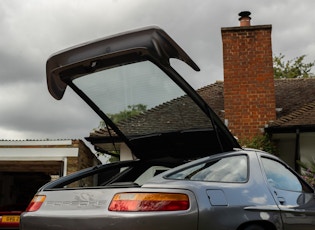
280 177
227 169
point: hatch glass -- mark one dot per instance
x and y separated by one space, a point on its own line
141 99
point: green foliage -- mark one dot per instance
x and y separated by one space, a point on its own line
308 172
131 111
114 158
261 142
295 68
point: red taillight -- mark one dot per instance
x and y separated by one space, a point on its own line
144 202
36 203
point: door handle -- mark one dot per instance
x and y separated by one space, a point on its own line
281 200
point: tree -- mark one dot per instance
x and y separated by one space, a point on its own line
295 68
132 110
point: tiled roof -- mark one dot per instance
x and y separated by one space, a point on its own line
293 94
168 116
213 95
305 115
295 98
295 103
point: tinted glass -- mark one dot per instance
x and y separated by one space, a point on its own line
280 177
228 169
135 88
120 176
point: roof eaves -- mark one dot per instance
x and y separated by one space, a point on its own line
286 123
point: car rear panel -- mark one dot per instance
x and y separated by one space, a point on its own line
88 209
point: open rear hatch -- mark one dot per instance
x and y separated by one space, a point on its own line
129 82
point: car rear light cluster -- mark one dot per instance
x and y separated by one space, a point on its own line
36 203
144 202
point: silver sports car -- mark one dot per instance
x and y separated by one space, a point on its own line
185 169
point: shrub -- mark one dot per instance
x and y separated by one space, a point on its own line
308 172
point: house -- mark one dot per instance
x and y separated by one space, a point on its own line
293 129
28 164
254 102
249 100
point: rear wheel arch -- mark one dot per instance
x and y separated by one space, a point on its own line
257 225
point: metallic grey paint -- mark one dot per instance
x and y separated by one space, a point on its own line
80 201
213 205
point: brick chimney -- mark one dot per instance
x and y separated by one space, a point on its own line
249 94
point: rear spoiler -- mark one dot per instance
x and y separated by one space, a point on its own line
153 40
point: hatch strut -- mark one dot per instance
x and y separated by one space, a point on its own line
107 121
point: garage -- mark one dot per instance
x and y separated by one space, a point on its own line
27 165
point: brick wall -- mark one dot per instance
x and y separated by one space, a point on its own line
85 158
249 95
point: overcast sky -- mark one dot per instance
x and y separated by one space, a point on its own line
31 30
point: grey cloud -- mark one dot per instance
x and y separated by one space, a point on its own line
32 30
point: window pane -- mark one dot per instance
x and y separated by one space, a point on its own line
222 170
132 89
280 177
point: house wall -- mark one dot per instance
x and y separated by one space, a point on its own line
286 147
125 153
85 158
307 143
286 143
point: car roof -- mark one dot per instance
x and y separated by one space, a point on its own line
111 73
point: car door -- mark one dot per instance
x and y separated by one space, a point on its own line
294 197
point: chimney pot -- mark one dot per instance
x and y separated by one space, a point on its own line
244 18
